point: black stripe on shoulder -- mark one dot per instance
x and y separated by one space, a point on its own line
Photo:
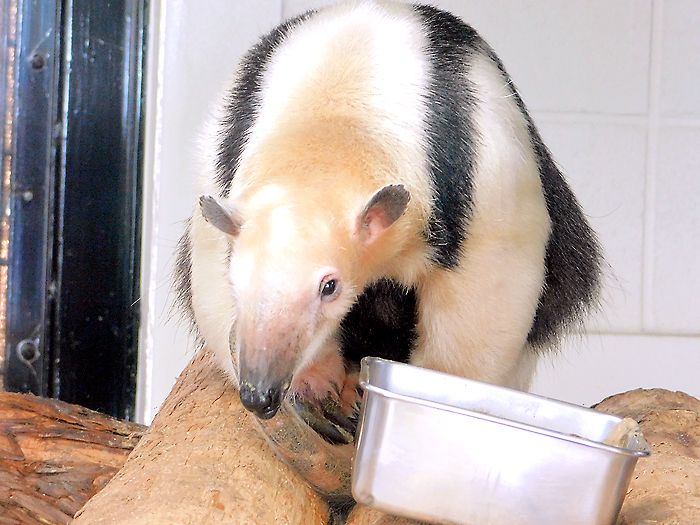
450 132
243 100
573 260
381 323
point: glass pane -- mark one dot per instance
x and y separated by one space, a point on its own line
8 31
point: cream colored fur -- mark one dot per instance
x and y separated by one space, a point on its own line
343 116
486 306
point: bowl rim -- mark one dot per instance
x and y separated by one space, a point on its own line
643 449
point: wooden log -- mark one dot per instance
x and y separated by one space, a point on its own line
205 461
665 487
366 516
54 456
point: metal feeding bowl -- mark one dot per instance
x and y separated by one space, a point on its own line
444 449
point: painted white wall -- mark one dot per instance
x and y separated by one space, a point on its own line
194 48
613 87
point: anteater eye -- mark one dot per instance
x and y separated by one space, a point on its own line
329 289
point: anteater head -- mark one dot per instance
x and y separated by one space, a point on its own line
299 258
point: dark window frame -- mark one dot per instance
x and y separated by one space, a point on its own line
76 199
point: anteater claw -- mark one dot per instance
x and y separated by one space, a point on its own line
335 416
327 420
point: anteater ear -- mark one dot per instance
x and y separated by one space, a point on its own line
381 211
221 215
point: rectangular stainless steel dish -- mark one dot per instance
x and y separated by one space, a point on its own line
444 449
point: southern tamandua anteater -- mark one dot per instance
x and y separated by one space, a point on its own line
375 186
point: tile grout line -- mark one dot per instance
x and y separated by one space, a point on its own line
560 117
648 321
568 117
655 333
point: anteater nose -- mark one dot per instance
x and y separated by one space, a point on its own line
264 402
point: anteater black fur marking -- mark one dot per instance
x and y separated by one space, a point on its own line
450 136
243 99
381 323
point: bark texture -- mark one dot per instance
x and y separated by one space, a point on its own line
204 461
55 456
665 487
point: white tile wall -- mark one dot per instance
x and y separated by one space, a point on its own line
604 162
584 55
680 67
596 367
615 90
675 294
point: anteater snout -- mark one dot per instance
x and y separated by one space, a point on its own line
262 401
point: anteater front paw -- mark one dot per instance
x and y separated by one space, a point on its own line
328 419
328 399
